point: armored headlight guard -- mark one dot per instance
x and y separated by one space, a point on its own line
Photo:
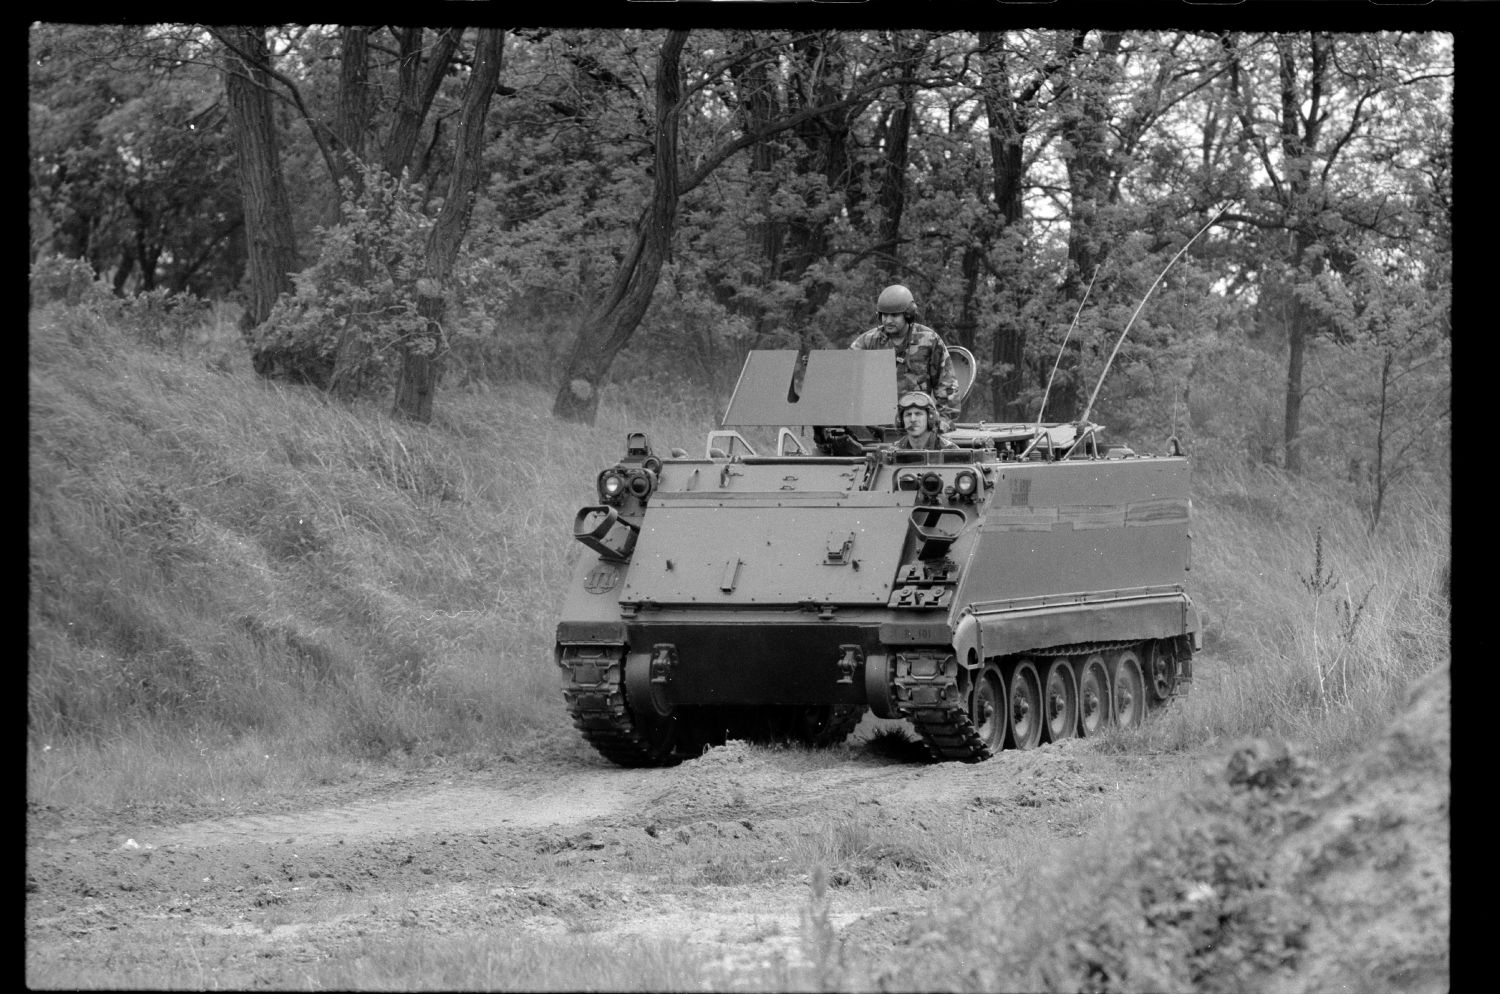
612 485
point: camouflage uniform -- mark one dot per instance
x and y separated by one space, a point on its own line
923 365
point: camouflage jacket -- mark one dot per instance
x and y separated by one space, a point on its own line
929 440
923 365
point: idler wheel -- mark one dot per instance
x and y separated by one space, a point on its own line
1161 673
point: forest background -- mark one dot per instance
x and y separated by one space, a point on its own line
395 212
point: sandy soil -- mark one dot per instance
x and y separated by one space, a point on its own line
713 853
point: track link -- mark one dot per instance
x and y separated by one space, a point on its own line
594 693
839 727
950 734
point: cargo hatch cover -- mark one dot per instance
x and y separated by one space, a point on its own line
836 387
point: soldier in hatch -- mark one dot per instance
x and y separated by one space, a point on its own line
919 417
922 361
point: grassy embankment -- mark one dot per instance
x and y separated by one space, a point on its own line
237 588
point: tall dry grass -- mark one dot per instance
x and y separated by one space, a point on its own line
1315 625
237 587
215 559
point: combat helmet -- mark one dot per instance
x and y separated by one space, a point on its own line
896 299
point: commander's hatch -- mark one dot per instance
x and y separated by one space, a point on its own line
821 388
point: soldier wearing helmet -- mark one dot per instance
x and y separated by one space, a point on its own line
922 362
918 417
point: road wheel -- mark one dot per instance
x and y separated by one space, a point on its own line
1094 711
1024 690
1129 685
1060 701
988 709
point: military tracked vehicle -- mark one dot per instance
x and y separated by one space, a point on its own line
1026 587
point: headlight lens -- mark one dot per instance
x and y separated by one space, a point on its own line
611 486
642 482
966 484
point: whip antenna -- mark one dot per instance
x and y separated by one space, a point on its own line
1121 340
1048 392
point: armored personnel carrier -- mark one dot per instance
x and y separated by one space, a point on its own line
1026 587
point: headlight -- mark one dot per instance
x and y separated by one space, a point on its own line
642 482
611 486
932 484
965 484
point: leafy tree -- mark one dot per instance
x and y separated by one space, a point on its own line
1311 109
1392 371
338 134
422 353
130 167
609 325
994 173
342 327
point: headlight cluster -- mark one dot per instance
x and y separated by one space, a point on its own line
932 485
616 482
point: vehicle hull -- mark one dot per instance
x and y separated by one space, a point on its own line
898 581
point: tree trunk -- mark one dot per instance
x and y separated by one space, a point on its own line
421 360
897 142
418 86
1009 122
271 244
825 141
123 271
351 118
415 92
1292 425
758 105
610 324
1299 140
1379 480
1085 127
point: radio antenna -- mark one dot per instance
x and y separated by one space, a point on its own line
1048 392
1120 341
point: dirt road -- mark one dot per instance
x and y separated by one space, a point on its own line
715 852
1320 878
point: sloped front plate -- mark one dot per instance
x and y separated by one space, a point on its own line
719 555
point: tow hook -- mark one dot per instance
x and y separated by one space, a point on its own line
850 661
663 661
